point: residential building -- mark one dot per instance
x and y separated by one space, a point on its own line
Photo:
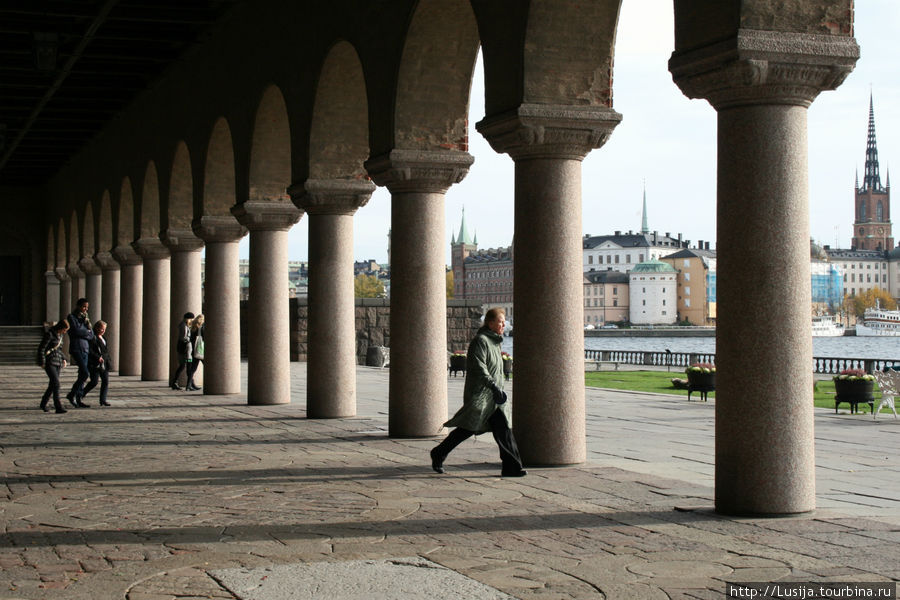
696 285
605 297
484 275
652 293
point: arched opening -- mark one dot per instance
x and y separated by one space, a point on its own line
181 191
218 178
125 233
150 220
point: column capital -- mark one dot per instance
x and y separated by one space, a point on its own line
549 130
150 248
331 196
218 228
61 274
765 67
261 215
89 265
74 271
429 171
180 240
106 261
51 277
125 255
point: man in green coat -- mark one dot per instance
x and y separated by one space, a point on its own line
484 402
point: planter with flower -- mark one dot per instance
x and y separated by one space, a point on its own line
853 386
701 378
507 364
457 362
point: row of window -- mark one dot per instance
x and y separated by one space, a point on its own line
869 266
868 278
610 257
488 274
587 303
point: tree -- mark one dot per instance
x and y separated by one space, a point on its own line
368 286
449 284
858 304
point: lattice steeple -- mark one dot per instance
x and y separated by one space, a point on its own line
872 179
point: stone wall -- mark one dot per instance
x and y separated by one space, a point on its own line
373 321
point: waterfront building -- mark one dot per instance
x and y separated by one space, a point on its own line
652 293
605 297
484 275
696 286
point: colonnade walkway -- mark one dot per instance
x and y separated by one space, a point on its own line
170 494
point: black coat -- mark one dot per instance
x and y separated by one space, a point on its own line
98 349
50 349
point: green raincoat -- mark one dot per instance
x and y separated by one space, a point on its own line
484 365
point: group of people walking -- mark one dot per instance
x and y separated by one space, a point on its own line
87 350
190 349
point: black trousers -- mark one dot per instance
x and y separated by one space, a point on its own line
98 373
503 435
191 369
81 359
52 387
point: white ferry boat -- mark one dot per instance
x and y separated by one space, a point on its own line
825 326
878 321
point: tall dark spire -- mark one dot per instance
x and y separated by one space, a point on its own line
872 180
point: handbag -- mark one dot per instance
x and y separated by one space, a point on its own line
199 347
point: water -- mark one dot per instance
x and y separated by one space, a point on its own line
887 348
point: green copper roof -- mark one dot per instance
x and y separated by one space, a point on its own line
464 237
653 266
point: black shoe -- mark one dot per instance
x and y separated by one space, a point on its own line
61 410
83 405
104 404
193 388
175 386
519 473
71 398
437 463
45 408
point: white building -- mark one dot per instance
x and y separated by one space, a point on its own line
652 292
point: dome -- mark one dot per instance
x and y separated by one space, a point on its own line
653 266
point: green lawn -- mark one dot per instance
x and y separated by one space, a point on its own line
661 382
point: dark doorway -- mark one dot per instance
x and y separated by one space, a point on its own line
10 290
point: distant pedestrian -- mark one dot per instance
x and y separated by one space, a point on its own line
183 348
198 349
98 362
485 406
80 335
52 360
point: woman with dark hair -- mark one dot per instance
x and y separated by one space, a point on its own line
98 362
183 348
197 352
52 360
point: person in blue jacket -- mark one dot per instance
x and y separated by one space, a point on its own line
80 336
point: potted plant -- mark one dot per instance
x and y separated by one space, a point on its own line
853 386
701 378
507 364
457 362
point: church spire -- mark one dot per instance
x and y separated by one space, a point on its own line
872 180
464 237
644 227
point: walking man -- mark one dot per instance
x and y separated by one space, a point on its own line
80 335
485 406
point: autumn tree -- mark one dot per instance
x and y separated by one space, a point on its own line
449 284
368 286
858 304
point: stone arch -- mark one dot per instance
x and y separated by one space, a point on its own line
104 224
435 77
270 151
88 241
181 190
218 179
339 134
126 230
150 221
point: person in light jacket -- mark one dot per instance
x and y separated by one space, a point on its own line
52 360
198 348
485 406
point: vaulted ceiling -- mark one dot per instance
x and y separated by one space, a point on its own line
69 66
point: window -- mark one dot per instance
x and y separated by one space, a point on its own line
615 291
643 290
853 277
615 302
868 279
884 278
640 258
687 291
687 276
608 258
627 258
617 259
664 303
664 290
590 259
687 302
663 312
687 262
644 302
595 302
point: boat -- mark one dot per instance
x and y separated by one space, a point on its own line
825 326
878 321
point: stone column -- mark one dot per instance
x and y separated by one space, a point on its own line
418 180
65 293
548 144
92 287
187 288
331 363
76 275
157 320
761 84
131 322
269 346
222 303
111 298
51 314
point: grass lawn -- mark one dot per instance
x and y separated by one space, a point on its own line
661 382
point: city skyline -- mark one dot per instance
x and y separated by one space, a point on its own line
669 142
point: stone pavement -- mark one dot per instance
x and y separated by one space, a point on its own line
170 495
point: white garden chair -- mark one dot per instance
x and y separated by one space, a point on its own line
889 384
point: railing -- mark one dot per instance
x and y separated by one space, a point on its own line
824 365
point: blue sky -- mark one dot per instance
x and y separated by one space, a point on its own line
670 142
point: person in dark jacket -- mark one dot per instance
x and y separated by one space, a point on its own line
80 335
198 348
98 362
485 406
182 348
52 360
